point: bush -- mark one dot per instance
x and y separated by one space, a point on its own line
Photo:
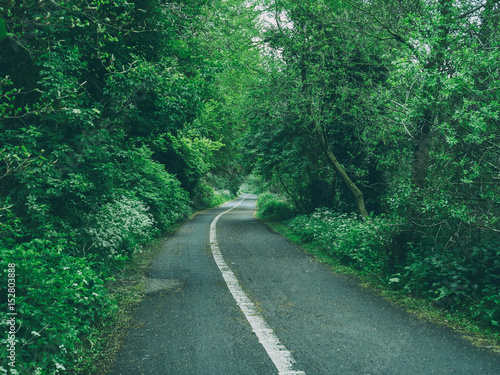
206 196
59 300
468 282
65 236
167 201
357 243
271 207
119 228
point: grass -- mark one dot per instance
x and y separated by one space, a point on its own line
422 308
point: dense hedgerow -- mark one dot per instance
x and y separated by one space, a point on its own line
59 300
105 133
467 282
207 196
60 294
144 180
63 257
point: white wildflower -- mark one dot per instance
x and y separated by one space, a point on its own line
60 367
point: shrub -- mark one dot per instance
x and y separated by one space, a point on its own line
468 282
206 196
167 201
357 243
119 228
59 299
271 207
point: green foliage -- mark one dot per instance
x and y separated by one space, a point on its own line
119 228
115 116
468 283
3 30
406 96
271 207
361 244
253 184
226 184
288 164
148 181
206 196
59 300
105 138
458 281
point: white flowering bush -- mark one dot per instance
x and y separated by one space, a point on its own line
361 244
162 192
120 227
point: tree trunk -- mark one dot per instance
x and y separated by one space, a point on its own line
436 63
286 189
351 186
422 150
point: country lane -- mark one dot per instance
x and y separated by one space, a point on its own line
229 296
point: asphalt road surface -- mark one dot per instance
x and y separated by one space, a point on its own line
262 306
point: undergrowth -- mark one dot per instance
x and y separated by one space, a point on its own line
272 207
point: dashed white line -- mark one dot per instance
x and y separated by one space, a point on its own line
281 357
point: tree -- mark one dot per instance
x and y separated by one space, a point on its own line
103 115
325 65
439 100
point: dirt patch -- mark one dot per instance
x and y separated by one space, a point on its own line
161 285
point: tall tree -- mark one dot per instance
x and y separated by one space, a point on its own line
326 65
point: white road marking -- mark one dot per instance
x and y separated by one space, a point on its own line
280 356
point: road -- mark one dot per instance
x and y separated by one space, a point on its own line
262 306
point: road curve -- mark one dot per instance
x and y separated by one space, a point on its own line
190 323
